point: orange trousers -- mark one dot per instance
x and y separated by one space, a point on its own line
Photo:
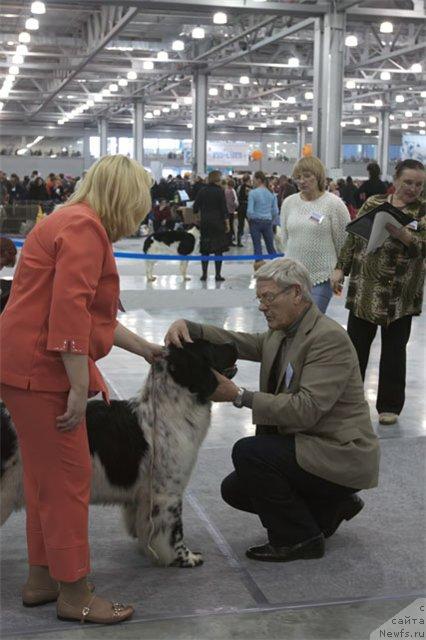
57 474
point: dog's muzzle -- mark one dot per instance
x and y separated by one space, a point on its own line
230 372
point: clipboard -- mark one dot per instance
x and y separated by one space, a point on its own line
371 226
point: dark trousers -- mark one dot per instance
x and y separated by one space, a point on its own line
292 504
241 221
393 358
217 264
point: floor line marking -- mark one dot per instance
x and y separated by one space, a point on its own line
218 611
249 583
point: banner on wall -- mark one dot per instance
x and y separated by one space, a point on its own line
414 147
225 154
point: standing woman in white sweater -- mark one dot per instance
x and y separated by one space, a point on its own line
313 224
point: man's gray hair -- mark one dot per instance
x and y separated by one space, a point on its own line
285 272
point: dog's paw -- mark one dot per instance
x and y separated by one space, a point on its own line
152 279
186 278
188 561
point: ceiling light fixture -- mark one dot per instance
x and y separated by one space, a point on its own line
309 95
293 62
385 75
38 8
148 65
228 86
399 98
24 37
220 18
386 27
132 75
31 24
178 45
416 67
22 49
163 56
244 80
378 102
350 84
213 91
351 41
123 82
198 33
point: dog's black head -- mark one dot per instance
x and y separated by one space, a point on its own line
191 366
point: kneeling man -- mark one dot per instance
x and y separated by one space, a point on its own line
314 447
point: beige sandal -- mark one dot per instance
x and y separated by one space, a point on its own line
40 596
70 612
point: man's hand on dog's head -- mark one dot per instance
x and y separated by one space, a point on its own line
177 334
226 391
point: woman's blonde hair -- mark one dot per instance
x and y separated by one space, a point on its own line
312 165
118 189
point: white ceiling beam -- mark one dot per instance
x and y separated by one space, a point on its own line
101 44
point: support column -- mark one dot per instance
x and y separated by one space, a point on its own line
301 139
329 58
317 102
199 122
383 146
103 135
87 160
138 129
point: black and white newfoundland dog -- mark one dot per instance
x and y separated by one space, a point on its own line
144 449
174 243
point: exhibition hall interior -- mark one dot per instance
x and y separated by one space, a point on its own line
306 121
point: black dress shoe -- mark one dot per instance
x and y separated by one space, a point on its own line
312 548
220 279
203 278
345 510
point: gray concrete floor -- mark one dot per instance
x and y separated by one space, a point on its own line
264 612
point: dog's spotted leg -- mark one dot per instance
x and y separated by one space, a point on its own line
129 511
183 265
163 535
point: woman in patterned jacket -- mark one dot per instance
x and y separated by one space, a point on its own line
386 287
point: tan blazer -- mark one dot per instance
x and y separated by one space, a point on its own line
323 403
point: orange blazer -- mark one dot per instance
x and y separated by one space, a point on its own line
64 297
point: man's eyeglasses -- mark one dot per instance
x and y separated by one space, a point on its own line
269 297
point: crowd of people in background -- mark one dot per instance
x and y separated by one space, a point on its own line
35 188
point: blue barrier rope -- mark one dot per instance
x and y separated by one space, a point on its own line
143 256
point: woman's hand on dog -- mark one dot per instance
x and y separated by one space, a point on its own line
177 334
152 351
226 390
76 410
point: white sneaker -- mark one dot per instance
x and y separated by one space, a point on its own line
388 418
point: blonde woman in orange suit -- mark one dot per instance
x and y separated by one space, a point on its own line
60 319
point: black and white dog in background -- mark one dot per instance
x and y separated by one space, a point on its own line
175 243
143 450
